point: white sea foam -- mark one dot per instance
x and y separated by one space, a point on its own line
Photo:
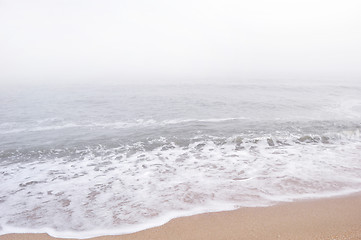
115 190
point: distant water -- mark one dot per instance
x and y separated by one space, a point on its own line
81 161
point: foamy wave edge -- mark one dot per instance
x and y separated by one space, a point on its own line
211 207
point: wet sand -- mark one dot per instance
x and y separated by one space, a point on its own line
335 218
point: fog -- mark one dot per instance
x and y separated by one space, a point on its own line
198 41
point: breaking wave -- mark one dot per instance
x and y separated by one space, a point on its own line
83 192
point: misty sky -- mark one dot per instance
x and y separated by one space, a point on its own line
179 41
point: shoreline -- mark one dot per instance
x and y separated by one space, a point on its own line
326 218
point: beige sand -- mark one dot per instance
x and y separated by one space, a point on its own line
337 218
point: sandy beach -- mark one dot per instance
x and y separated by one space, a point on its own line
335 218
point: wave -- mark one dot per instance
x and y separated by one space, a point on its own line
132 187
8 128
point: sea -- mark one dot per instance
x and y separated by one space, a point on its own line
84 160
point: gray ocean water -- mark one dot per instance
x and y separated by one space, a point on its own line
82 161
